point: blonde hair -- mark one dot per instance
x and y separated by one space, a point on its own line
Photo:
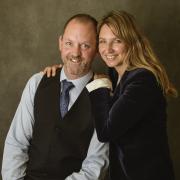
140 53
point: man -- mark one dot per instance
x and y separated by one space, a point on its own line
52 135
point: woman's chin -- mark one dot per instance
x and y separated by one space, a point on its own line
110 65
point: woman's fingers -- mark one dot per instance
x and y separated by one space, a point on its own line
51 70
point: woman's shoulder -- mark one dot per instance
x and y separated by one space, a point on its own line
140 73
139 76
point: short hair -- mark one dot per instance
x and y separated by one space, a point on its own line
84 18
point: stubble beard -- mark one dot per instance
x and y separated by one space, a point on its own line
74 71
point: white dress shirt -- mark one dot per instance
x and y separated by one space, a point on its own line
15 155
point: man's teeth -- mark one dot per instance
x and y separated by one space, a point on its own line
75 60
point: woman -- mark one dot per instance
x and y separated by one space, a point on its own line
133 120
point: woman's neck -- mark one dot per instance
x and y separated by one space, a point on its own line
121 69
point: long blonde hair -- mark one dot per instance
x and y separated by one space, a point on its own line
140 53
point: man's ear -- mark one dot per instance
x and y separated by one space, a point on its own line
60 42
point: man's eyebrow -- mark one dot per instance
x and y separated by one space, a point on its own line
67 39
87 42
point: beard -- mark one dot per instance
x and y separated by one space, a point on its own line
76 69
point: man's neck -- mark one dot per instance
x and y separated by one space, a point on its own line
74 76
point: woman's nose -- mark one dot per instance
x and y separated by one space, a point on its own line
109 48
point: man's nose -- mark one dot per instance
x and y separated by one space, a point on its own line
76 51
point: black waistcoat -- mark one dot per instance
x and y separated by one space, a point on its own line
58 146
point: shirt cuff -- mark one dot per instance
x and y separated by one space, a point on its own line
99 83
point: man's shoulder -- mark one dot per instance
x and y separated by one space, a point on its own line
35 79
41 80
33 82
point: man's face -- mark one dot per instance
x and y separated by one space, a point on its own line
78 48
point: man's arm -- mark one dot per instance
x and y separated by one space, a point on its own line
95 164
16 147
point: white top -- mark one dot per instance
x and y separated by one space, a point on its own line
15 155
99 83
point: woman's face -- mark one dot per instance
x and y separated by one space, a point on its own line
111 48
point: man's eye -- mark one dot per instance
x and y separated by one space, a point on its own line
68 43
85 46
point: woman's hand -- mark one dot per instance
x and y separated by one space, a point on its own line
51 70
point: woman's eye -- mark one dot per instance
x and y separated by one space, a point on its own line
117 41
101 41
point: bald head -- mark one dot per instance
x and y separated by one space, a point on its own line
85 19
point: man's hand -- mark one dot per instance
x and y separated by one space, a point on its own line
51 70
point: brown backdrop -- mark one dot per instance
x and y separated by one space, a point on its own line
29 33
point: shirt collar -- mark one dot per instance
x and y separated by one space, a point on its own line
79 83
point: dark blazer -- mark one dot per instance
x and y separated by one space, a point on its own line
134 122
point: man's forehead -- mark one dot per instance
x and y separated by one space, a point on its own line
80 31
79 39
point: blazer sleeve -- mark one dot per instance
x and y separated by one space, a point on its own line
137 96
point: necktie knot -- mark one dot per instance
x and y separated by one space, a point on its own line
67 86
64 98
